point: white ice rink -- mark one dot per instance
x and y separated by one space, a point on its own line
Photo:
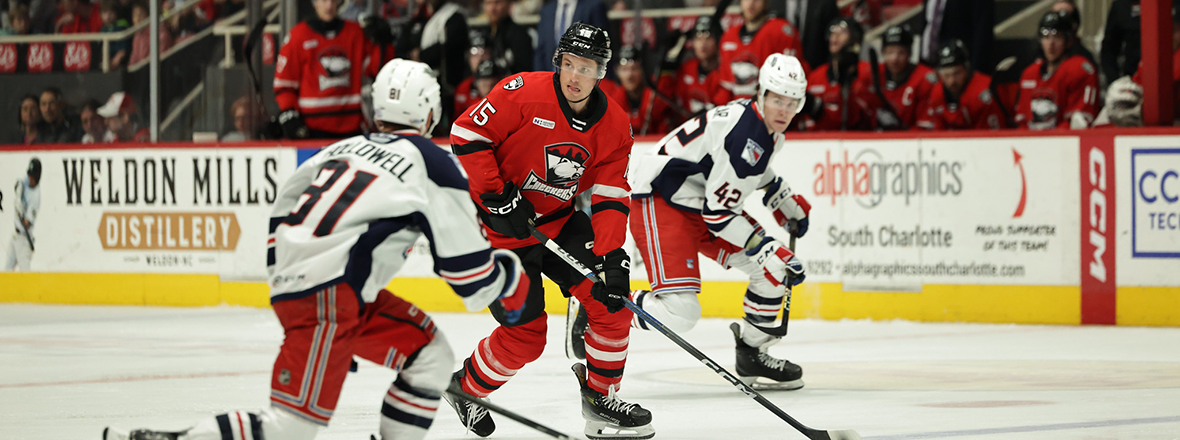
66 372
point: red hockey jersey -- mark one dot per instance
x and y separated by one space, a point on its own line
908 95
650 114
857 111
1051 101
320 75
742 55
695 87
525 132
976 108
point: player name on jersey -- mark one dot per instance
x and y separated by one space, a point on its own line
390 161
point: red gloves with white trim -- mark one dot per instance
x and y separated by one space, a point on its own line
790 210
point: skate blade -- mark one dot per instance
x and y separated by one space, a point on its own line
112 433
596 430
763 384
571 315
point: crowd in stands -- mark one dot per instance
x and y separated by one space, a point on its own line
933 76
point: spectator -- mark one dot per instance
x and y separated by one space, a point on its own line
508 41
1060 89
111 23
42 14
465 93
74 18
698 77
842 90
970 21
963 99
353 9
245 125
59 128
18 20
906 85
31 126
649 113
556 17
122 119
94 126
810 17
1125 90
318 76
743 48
141 42
438 36
487 74
1120 40
1070 8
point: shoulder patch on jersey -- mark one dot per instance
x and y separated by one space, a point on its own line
753 152
544 123
931 77
787 30
1089 68
310 44
516 83
986 96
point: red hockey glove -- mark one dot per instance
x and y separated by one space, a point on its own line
790 210
510 212
779 264
615 271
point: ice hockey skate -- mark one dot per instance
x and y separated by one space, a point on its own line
474 417
760 370
575 330
608 417
138 434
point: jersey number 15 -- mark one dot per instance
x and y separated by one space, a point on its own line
329 174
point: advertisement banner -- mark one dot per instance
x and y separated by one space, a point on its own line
167 210
896 214
1097 240
1148 176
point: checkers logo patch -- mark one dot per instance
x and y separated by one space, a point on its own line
516 83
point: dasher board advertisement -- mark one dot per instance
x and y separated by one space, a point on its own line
166 210
1148 176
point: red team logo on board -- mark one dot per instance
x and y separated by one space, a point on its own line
565 163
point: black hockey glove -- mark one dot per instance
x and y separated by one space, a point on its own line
510 212
615 271
292 123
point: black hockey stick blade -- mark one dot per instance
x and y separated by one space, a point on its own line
811 433
457 392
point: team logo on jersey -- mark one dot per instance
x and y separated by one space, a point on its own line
516 83
753 152
336 67
565 163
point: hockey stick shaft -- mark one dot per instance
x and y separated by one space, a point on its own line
27 235
781 330
458 392
813 434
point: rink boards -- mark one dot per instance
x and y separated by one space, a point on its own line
1065 228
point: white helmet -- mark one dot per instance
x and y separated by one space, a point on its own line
782 74
406 92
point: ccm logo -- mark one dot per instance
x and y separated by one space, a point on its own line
1098 210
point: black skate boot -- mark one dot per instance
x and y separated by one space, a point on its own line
138 434
474 417
753 364
608 417
575 330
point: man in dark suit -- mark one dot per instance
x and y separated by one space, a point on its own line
810 18
970 21
556 16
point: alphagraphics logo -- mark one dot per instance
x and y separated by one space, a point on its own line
869 177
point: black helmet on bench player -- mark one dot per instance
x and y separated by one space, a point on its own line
586 41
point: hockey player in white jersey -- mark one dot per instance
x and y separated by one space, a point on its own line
27 205
690 189
340 230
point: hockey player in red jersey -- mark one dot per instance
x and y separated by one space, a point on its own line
906 86
649 113
745 47
699 76
340 230
318 76
1060 89
535 143
843 88
690 189
963 99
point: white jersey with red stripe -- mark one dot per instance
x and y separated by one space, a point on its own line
352 212
710 165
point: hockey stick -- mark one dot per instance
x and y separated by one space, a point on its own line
813 434
269 127
781 330
27 236
879 88
456 391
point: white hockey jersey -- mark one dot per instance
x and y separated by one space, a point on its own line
27 205
351 213
710 165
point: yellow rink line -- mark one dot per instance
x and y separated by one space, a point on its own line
1152 306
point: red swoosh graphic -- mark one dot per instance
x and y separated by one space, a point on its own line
1023 186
